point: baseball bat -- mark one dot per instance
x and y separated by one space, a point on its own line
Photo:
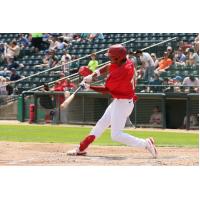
69 99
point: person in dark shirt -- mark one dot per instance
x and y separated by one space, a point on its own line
48 103
14 76
156 84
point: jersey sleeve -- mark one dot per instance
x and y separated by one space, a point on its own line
102 70
101 89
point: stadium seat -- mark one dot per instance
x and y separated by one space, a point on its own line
36 79
25 73
185 73
34 85
177 73
195 73
42 80
26 85
19 85
50 79
168 73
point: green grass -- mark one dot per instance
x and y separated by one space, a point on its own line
73 135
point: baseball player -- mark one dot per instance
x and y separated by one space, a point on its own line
121 85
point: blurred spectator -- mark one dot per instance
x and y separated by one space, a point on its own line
23 41
5 73
193 121
184 45
93 63
15 65
50 58
147 64
164 64
9 88
196 44
12 51
167 85
191 84
192 57
66 84
180 57
156 117
100 36
1 52
91 36
170 53
156 83
53 43
60 86
77 37
156 61
61 44
132 57
84 36
66 57
47 102
45 37
36 40
14 76
177 82
145 89
75 64
68 37
5 87
3 90
70 86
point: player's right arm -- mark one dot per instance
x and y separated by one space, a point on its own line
102 89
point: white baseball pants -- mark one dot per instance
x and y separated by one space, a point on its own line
116 115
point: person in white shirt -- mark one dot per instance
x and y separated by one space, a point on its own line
64 60
11 51
192 83
61 44
3 90
156 61
193 121
53 43
148 64
156 117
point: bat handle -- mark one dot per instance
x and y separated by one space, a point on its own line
77 90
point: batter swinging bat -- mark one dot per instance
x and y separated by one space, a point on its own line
69 99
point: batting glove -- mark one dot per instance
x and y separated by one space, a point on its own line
84 85
88 79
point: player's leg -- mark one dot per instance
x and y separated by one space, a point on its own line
120 111
96 132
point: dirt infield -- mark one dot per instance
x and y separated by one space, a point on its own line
45 154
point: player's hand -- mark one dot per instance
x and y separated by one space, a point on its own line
84 85
88 79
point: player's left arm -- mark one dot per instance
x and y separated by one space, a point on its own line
96 73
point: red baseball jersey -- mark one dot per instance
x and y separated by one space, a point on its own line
119 80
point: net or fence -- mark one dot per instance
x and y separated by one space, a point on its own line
88 107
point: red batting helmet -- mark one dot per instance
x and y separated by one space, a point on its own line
117 53
84 71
